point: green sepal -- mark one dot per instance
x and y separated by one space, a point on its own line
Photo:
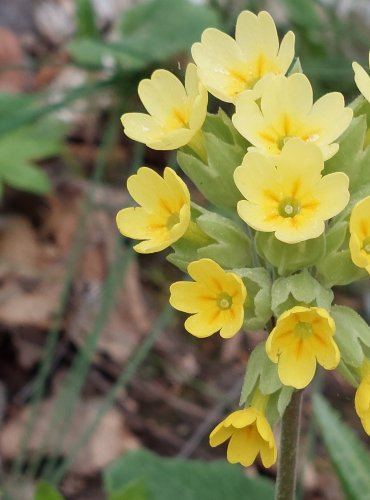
262 374
352 334
336 236
215 237
225 151
338 269
289 258
257 307
299 289
350 156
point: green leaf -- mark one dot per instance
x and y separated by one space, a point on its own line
45 491
257 307
161 29
20 147
352 332
338 269
348 455
135 490
170 478
86 19
26 177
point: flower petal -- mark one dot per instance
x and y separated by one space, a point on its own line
297 365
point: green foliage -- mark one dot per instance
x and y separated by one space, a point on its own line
86 19
21 147
299 289
288 258
352 333
135 490
262 373
145 37
169 478
257 308
348 455
45 491
225 150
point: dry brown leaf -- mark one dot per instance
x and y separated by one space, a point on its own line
13 76
108 442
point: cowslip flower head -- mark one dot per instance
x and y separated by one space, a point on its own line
287 194
176 113
362 397
164 214
302 337
359 228
215 299
250 433
287 110
362 79
228 67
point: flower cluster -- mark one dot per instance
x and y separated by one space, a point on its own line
297 217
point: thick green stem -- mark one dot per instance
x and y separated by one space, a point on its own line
288 450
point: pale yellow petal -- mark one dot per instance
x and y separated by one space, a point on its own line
299 228
172 139
358 256
177 189
148 189
162 93
286 101
286 52
362 80
250 122
333 194
257 180
256 35
328 119
141 127
360 219
259 217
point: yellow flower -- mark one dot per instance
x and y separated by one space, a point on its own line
359 227
287 110
362 397
176 113
164 214
249 433
302 336
215 299
287 194
228 67
362 79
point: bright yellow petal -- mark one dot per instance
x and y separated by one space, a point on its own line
232 322
149 190
243 447
326 351
362 80
134 222
219 435
190 297
297 365
241 418
268 454
258 217
205 323
358 256
362 399
209 273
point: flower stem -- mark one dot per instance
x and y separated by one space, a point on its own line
288 451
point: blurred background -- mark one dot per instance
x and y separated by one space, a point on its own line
94 364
